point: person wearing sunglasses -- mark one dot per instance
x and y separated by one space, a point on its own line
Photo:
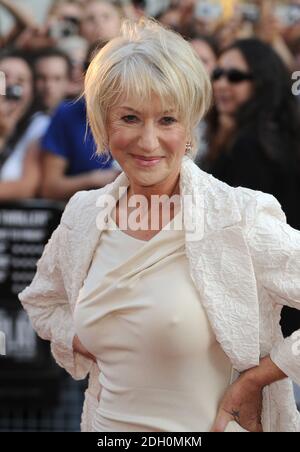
253 131
232 75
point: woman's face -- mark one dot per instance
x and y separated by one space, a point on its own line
17 72
205 53
230 96
147 142
101 20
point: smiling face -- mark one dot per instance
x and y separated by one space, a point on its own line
148 142
230 96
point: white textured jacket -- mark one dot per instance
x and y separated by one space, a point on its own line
246 266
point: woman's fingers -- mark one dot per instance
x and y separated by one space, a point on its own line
221 422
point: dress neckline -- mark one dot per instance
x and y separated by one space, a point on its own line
167 227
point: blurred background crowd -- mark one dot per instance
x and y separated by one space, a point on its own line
250 137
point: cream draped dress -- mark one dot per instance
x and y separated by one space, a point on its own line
139 313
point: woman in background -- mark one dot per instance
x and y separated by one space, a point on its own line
253 131
20 128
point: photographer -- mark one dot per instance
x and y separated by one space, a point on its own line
20 127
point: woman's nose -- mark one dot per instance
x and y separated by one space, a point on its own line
148 140
221 83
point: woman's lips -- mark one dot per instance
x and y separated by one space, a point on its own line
146 161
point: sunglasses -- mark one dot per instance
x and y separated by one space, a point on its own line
232 75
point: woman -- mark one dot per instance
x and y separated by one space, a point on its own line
253 133
177 323
20 128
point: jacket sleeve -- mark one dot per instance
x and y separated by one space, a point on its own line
275 249
46 302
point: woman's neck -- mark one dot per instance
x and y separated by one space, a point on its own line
158 190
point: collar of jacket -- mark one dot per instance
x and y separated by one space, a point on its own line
218 255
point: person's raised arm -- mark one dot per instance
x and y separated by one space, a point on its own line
22 19
57 185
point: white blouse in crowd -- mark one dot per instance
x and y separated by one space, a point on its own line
12 169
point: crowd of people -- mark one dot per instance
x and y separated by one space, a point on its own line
250 137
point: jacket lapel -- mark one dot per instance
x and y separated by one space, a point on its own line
221 267
82 255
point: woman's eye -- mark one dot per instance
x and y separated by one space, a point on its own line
167 120
129 118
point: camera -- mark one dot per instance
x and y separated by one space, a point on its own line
68 26
250 13
14 92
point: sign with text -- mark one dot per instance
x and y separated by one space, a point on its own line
28 372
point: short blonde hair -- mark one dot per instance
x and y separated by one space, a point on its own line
146 58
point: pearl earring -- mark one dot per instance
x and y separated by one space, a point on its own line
188 147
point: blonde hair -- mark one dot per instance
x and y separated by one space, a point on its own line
146 58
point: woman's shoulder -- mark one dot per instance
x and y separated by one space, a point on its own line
254 204
249 203
226 206
82 207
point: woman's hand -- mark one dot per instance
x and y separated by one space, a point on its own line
79 348
243 400
242 403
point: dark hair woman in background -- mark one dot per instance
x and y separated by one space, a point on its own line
21 126
253 130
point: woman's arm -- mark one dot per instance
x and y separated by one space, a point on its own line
22 18
265 374
47 304
275 250
57 185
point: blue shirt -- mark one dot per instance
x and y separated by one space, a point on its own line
69 137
